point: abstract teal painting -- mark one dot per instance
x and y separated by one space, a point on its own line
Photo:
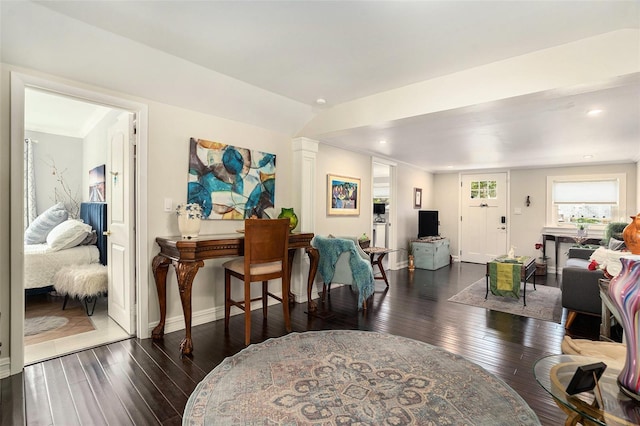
230 182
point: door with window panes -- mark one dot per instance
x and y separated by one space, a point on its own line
483 230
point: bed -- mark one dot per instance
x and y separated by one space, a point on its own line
41 262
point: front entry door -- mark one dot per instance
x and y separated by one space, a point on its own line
120 241
484 217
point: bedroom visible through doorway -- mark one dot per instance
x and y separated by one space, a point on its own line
66 163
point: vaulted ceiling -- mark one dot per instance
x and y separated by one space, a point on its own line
446 84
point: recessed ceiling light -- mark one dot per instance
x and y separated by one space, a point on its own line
383 142
449 167
321 101
587 156
594 112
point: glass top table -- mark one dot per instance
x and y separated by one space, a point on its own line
554 373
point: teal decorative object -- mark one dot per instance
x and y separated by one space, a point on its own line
291 215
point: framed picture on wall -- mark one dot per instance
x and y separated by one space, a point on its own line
343 196
97 184
417 198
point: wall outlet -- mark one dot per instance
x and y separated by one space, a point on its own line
517 210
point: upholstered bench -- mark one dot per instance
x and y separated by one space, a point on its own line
86 282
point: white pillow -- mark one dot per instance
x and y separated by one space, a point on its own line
68 234
38 230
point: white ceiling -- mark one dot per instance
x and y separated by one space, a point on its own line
341 51
50 113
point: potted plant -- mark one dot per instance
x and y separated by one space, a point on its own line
364 241
541 261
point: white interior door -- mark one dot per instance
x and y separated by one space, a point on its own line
120 241
484 214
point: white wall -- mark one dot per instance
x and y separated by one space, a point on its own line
406 225
446 189
524 229
332 160
62 152
95 149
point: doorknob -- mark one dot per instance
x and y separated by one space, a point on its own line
502 227
106 233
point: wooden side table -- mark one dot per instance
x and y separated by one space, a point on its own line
376 254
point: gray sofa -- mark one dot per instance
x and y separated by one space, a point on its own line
580 290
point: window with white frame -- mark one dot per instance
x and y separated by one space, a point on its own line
592 199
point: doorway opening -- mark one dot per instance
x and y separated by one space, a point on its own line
66 143
133 190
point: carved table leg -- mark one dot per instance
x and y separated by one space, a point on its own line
185 272
160 266
314 257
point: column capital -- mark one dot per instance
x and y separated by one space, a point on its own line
304 144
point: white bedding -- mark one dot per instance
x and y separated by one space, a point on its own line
41 263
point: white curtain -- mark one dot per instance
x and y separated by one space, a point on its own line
30 212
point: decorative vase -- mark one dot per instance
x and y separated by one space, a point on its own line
631 235
291 215
189 227
624 291
412 264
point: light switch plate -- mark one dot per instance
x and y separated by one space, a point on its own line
517 210
168 204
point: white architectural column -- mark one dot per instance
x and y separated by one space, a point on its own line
304 191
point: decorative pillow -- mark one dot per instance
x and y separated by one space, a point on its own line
68 234
90 239
616 245
577 263
38 230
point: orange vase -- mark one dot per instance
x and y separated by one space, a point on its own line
631 235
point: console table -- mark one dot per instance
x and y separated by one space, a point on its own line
559 238
187 256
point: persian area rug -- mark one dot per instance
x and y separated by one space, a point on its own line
544 303
345 377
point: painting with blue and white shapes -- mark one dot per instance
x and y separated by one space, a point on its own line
230 182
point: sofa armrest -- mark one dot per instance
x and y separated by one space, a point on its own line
580 290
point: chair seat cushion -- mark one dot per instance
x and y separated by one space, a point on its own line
237 266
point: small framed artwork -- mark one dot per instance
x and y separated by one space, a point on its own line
343 196
586 378
97 184
417 198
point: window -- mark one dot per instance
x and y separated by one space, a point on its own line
483 189
593 199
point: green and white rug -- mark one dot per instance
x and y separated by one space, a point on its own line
545 303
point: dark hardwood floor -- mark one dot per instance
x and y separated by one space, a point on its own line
143 382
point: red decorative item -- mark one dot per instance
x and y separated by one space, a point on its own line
593 265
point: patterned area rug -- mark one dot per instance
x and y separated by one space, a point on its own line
545 303
347 377
37 325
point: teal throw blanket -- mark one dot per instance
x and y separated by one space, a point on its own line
330 249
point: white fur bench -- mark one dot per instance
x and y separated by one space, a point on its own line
86 282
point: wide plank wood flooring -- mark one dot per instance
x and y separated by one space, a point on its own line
144 382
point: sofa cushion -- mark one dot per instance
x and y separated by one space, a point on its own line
578 263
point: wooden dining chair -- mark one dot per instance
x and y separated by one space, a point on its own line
266 246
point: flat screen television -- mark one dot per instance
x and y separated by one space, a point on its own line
378 208
427 223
